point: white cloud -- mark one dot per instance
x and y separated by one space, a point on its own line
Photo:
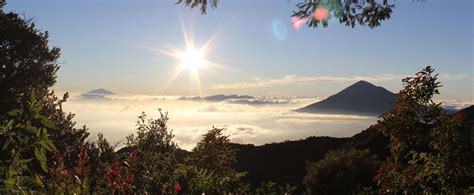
455 77
244 123
295 79
456 104
258 82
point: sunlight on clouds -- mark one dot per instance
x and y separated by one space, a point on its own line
115 116
244 121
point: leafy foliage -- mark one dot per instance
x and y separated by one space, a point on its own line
345 171
426 151
24 141
213 152
27 62
101 155
212 158
155 147
348 12
66 136
152 135
203 4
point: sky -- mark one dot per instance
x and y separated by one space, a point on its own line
116 44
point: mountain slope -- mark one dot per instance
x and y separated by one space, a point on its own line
359 98
467 117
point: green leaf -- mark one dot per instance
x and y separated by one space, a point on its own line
15 112
46 122
6 144
26 160
45 145
44 166
39 155
11 180
38 180
50 144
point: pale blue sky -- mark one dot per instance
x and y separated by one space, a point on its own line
104 44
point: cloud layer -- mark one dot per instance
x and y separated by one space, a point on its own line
258 82
256 120
245 121
294 79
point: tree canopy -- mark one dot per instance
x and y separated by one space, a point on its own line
318 12
344 171
427 152
28 63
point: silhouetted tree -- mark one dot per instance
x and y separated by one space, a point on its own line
27 62
101 155
155 147
203 4
345 171
348 12
208 167
426 152
153 135
213 153
2 3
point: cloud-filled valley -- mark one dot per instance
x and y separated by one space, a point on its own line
256 120
246 119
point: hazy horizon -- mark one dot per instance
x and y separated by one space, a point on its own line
271 120
261 119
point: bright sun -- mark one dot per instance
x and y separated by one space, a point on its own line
192 59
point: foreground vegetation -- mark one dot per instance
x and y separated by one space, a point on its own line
42 150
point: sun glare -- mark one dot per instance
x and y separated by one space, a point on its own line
192 59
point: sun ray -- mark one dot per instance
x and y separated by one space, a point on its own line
177 72
191 58
195 75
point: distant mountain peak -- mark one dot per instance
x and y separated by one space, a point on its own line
362 83
361 97
100 91
96 94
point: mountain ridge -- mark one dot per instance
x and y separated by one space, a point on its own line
360 98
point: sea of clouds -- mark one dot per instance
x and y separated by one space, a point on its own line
246 119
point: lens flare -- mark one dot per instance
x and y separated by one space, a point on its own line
321 13
298 22
279 30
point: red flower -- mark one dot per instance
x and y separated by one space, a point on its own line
114 168
65 173
115 172
177 188
115 164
